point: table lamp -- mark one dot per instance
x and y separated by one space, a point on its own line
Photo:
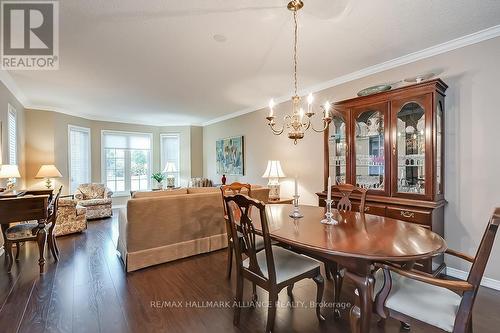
10 172
48 172
169 169
274 173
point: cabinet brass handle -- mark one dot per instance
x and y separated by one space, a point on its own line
407 214
394 150
367 209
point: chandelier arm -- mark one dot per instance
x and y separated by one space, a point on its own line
326 123
276 131
306 125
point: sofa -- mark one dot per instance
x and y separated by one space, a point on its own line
71 217
96 198
162 226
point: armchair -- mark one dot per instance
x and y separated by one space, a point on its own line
71 217
96 198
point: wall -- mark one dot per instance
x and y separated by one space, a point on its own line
6 98
196 151
48 144
471 142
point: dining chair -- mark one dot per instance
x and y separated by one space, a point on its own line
232 189
34 231
445 304
273 268
344 204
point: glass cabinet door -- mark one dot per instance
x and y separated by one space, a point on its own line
338 149
410 146
439 149
369 144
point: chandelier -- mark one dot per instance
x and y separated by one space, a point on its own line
295 122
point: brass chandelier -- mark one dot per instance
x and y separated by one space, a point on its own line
295 122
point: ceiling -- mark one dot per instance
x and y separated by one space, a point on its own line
191 61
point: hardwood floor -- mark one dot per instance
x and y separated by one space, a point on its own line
88 291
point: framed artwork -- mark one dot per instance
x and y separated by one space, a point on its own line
230 158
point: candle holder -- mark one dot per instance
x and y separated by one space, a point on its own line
329 215
296 214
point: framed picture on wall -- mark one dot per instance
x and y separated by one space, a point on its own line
230 156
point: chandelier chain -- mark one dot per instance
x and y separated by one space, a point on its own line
295 52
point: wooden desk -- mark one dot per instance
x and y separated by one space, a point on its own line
359 241
23 208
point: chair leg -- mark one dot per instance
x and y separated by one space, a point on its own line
320 284
239 299
52 247
289 290
55 245
405 326
41 240
229 259
8 251
271 311
339 278
469 327
328 271
355 315
18 250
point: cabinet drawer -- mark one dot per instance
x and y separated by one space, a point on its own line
375 210
410 215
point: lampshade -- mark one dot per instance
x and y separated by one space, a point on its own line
170 167
273 170
48 171
9 171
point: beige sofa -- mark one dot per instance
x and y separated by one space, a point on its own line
162 226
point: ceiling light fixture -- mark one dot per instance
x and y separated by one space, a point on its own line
295 122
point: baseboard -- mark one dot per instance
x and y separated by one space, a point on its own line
119 206
486 282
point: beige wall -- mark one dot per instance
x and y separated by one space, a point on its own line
48 143
472 138
197 151
6 98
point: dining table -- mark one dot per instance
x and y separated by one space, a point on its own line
356 243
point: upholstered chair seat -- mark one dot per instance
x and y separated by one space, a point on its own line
21 231
71 217
425 302
96 198
287 264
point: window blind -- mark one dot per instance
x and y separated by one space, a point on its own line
12 134
79 162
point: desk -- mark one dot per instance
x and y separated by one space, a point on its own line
356 243
23 208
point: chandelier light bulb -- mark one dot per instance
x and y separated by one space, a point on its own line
310 99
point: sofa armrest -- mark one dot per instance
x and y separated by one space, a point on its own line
67 202
79 195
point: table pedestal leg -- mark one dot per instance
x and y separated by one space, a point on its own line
364 284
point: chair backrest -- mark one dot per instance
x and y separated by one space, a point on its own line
52 209
245 225
232 189
92 190
346 190
477 270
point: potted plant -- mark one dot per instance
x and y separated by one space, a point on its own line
159 177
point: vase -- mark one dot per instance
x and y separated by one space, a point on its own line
223 180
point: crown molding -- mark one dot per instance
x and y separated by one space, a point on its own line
448 46
11 85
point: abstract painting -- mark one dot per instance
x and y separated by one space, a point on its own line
230 156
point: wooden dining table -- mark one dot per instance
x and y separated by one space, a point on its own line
356 243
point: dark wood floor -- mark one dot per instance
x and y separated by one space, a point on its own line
88 291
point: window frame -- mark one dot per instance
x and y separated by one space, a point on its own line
88 131
127 173
162 155
12 112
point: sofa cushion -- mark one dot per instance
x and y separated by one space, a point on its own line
159 193
196 190
80 210
95 202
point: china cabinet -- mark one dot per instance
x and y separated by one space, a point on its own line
392 143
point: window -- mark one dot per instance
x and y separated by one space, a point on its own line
79 156
126 160
12 134
170 153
